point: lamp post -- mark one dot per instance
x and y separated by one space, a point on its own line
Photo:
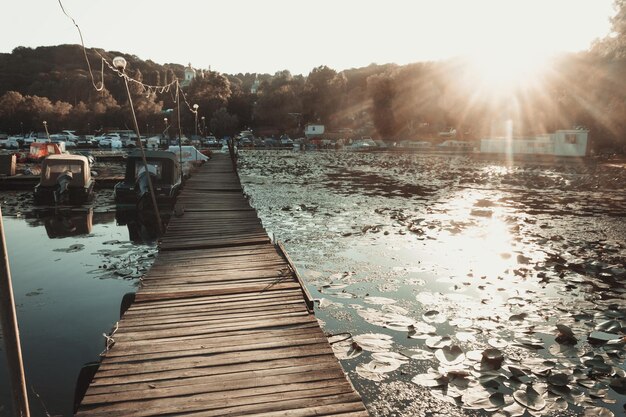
120 64
166 132
195 111
203 127
45 126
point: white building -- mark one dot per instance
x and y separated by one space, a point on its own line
190 74
312 131
560 143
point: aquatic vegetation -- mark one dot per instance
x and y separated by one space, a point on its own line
500 288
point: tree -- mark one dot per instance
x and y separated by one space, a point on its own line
322 96
223 123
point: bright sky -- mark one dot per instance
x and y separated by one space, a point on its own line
234 36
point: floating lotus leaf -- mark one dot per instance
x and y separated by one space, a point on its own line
430 380
389 308
492 355
450 355
474 355
539 366
609 326
514 410
516 372
619 385
497 343
530 399
379 300
398 322
77 247
383 367
559 379
346 350
518 317
604 337
531 343
462 323
597 412
364 372
420 330
374 342
437 342
555 405
483 399
419 354
599 367
389 357
324 303
465 336
434 316
564 351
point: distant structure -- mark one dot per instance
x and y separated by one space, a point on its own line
561 143
255 86
190 75
313 130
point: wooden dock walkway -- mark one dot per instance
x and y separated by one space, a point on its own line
219 326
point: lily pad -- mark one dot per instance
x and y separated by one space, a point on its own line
450 355
434 316
374 342
530 399
437 342
430 380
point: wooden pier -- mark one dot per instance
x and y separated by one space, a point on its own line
220 325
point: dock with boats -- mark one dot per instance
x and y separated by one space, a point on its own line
221 324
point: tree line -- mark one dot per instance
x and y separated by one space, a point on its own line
391 102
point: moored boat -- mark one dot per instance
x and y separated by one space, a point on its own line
162 168
65 179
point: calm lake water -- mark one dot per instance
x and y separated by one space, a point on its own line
454 286
451 286
70 270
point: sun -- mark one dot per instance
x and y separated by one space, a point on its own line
504 70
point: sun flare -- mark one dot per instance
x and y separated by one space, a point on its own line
505 70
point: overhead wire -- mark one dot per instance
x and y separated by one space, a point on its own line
151 89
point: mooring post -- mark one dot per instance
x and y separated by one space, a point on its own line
11 333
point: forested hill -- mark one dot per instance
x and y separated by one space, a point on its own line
61 73
414 101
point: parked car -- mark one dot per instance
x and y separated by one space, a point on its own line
110 140
210 141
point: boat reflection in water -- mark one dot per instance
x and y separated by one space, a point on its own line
142 225
67 221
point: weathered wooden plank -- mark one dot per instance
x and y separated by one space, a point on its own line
328 364
207 385
217 371
163 295
211 314
310 325
123 335
286 335
223 399
169 364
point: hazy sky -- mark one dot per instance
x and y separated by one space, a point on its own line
270 35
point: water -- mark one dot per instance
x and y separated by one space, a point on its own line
444 257
424 262
70 270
